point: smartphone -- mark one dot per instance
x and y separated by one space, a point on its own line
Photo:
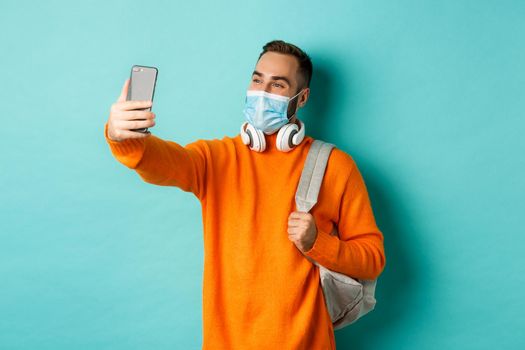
142 87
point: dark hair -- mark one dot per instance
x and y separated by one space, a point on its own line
305 64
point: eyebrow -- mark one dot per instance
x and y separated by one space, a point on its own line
273 77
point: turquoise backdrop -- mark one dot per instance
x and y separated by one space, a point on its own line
426 96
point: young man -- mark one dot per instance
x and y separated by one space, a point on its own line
260 287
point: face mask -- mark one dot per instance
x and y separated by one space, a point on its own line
265 111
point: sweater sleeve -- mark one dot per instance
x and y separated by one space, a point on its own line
358 251
164 163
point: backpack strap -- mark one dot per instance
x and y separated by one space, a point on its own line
312 175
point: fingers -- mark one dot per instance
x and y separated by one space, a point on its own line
132 115
292 231
298 214
295 222
126 116
298 225
127 134
130 105
124 92
118 133
134 124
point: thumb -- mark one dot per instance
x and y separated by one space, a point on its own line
124 92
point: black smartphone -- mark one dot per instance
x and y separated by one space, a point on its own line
142 87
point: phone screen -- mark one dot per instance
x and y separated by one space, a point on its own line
142 86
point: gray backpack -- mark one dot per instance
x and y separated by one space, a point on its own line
347 299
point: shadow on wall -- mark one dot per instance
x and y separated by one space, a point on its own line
398 284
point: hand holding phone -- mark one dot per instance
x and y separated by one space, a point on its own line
132 111
142 86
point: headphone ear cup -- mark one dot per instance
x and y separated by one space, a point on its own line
285 136
299 136
244 135
257 141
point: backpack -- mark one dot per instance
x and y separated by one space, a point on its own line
347 299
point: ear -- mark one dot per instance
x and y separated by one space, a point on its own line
304 97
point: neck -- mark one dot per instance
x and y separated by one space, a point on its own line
294 120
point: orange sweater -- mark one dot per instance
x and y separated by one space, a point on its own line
259 290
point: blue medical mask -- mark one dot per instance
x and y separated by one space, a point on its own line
266 111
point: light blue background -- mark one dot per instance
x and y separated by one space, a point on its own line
427 96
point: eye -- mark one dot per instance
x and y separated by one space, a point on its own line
255 80
278 85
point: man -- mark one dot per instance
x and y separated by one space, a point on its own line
260 288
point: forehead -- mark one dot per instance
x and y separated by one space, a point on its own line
274 63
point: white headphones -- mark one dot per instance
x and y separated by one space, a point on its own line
289 136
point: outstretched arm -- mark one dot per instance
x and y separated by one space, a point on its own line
157 161
164 163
